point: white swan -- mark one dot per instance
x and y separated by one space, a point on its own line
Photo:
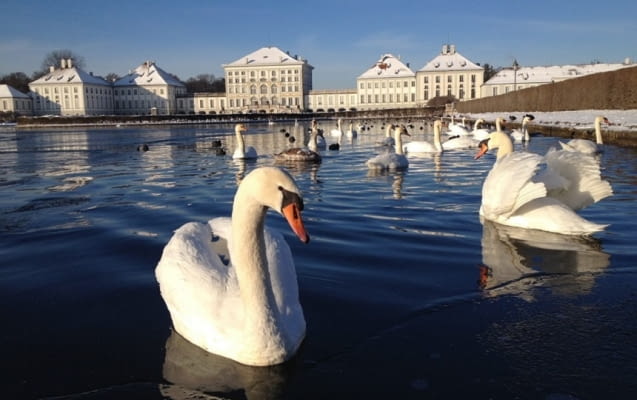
351 132
515 194
241 151
388 140
337 132
426 147
522 134
391 160
247 310
480 133
586 146
457 129
320 139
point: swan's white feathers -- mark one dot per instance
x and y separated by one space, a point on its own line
582 174
500 199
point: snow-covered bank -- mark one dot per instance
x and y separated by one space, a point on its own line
621 120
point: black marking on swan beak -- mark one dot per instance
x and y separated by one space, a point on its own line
291 198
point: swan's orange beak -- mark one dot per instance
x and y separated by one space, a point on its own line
483 147
293 215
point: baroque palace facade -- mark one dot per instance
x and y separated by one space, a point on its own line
270 80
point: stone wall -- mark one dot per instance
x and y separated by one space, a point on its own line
614 90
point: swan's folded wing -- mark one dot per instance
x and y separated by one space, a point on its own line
508 185
582 172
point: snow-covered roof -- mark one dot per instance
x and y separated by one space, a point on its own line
267 56
387 66
449 60
148 73
548 74
9 91
70 74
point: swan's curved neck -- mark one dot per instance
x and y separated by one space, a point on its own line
498 125
248 255
598 131
437 142
503 142
398 141
240 142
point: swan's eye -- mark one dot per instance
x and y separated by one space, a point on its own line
291 197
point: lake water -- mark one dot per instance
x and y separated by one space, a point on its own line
406 294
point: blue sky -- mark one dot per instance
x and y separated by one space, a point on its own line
341 38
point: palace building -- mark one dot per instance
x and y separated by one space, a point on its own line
270 80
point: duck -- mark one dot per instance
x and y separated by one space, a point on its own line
516 194
522 134
479 133
337 132
351 132
237 294
426 147
309 154
242 152
587 146
391 160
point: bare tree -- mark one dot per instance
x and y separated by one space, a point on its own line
17 80
54 57
205 83
112 77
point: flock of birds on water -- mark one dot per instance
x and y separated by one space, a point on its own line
230 284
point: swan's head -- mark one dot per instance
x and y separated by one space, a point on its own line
238 128
401 130
274 188
602 119
496 140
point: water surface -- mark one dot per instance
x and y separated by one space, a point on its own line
406 294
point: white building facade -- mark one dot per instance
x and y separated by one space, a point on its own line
449 74
146 90
267 80
389 83
68 91
14 101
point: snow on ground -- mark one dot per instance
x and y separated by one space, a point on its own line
621 120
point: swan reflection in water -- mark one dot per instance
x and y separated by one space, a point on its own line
297 168
193 372
397 181
565 263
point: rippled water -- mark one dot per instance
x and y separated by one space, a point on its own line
406 294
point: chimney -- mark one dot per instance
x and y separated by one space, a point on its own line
453 49
51 68
63 63
69 63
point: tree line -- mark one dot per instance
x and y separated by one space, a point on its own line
20 80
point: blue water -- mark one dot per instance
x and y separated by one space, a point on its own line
390 282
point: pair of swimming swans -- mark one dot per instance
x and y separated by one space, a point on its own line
247 310
516 194
437 146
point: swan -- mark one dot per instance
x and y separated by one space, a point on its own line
515 194
241 151
426 147
391 160
479 133
320 139
388 140
460 142
309 154
351 133
586 146
247 310
457 129
337 132
522 134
